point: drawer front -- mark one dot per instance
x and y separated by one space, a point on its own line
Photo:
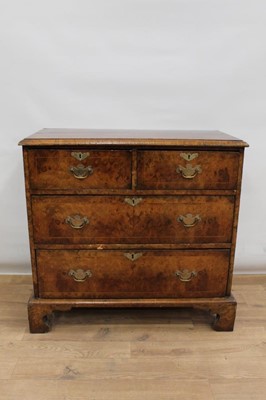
187 170
79 169
117 219
143 274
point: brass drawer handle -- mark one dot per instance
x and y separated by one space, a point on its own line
189 220
81 172
77 221
189 172
185 275
79 275
133 201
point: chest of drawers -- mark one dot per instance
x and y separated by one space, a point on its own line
132 219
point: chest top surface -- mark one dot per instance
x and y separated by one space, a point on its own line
126 137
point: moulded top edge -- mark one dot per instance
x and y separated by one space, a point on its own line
72 137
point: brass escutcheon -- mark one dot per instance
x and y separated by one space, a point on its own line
80 171
133 256
185 275
133 201
189 220
189 156
77 221
79 275
78 155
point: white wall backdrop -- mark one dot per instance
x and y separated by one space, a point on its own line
165 64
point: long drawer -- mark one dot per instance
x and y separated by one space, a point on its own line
77 169
142 274
187 169
119 219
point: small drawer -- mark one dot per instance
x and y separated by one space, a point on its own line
79 169
139 274
187 169
119 219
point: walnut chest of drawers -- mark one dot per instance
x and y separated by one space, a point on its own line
132 219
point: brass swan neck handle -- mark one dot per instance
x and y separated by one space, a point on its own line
189 220
79 275
81 171
77 221
185 275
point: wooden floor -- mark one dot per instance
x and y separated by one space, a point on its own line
133 354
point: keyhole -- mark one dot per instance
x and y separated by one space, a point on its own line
189 156
132 256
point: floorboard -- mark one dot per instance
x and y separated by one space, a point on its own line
133 354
